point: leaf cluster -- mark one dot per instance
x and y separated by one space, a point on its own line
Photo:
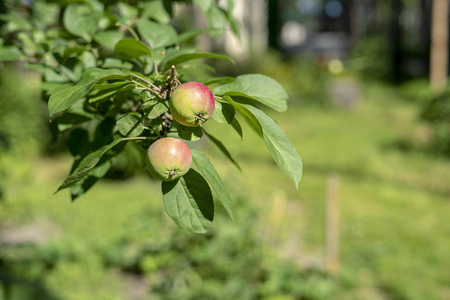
109 70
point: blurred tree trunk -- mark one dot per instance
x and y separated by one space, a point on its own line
274 23
357 25
425 33
396 40
439 45
347 15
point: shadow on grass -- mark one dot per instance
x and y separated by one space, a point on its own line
14 287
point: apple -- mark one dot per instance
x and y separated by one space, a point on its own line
169 158
192 104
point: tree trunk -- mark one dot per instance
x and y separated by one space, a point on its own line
396 40
439 45
274 24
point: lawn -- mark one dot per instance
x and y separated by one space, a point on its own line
394 205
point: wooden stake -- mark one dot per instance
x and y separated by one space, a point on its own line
332 263
439 45
276 216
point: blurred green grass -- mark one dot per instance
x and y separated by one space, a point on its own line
393 211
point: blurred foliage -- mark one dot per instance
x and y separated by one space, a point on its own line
22 125
371 58
21 113
417 91
230 262
436 112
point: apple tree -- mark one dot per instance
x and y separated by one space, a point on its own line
112 74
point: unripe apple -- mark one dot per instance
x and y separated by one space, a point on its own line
169 159
192 104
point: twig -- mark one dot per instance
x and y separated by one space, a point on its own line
145 87
169 82
156 67
146 81
139 138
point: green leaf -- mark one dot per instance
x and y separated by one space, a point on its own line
249 117
210 174
81 20
257 87
114 63
168 7
81 187
78 143
222 148
194 67
156 35
176 57
109 86
230 5
130 124
87 164
51 87
237 127
15 22
122 23
127 49
156 110
108 38
215 80
189 133
189 35
74 117
9 53
204 5
217 19
28 45
279 145
156 10
223 113
106 94
128 12
234 23
189 202
63 98
187 57
89 60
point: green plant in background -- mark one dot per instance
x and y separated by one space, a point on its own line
436 112
371 57
113 73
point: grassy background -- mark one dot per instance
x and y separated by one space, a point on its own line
117 243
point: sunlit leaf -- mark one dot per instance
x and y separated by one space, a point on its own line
189 202
257 87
